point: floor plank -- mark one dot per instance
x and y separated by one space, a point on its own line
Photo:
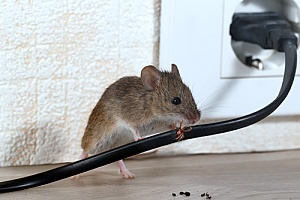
224 176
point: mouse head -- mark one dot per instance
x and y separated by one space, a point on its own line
172 100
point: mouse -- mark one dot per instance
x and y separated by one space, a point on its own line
133 107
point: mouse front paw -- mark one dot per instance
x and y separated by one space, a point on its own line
181 130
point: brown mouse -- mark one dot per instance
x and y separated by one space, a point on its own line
136 105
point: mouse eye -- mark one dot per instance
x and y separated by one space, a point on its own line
176 101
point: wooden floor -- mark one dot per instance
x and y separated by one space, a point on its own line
225 176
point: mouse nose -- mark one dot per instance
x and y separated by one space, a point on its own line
193 117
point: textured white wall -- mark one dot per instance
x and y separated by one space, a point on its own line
56 59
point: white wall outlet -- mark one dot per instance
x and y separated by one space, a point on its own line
195 36
272 61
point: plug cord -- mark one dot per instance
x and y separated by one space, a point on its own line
289 48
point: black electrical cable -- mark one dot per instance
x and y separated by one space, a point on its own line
160 139
288 46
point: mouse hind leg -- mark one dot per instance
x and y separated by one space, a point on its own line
84 155
118 136
137 135
128 135
124 171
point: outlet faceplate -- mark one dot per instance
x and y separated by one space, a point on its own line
272 60
195 36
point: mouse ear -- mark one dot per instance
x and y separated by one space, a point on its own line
150 77
175 70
